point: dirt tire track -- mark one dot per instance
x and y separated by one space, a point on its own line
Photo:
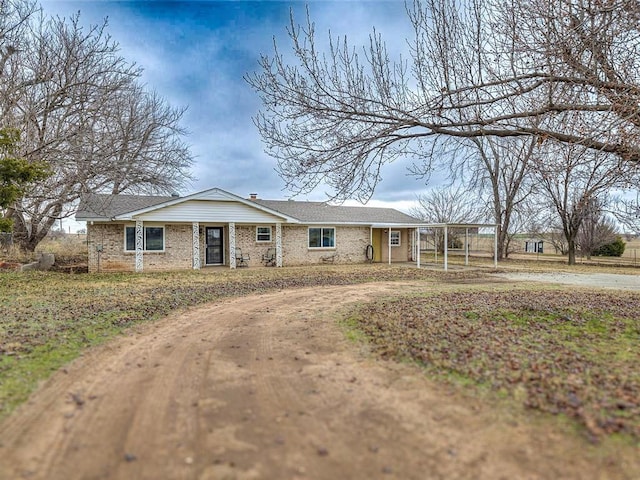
266 386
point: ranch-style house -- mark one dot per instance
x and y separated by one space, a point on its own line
216 228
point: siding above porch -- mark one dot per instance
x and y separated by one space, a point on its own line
209 211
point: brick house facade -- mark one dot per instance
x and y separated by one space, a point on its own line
152 233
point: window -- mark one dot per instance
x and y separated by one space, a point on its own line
263 234
153 239
395 238
322 237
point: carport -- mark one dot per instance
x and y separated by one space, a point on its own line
466 227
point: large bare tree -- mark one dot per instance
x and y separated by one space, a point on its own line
475 69
571 178
81 109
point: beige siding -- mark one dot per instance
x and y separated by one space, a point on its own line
209 211
401 253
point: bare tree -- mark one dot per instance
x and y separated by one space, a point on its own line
81 110
570 177
499 169
476 69
448 205
597 228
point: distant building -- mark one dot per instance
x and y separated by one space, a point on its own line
534 246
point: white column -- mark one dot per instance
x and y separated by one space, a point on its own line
418 247
495 247
466 246
278 244
139 246
232 245
446 248
196 245
389 242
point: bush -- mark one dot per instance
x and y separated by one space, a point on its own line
613 249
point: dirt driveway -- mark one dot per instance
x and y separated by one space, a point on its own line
267 387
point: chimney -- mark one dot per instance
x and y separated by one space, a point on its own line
253 196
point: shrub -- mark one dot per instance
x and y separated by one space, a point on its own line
613 249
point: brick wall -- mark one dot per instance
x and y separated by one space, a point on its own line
177 254
351 243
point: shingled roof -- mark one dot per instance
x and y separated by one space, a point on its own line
102 207
320 212
98 206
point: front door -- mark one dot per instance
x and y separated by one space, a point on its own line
215 246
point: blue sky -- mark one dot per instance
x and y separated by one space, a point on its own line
195 54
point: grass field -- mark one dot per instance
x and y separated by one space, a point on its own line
49 318
552 349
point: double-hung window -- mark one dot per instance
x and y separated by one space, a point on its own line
395 238
152 239
322 237
263 234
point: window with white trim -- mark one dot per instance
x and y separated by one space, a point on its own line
263 234
152 239
322 237
395 238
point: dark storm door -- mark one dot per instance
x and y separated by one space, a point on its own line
215 246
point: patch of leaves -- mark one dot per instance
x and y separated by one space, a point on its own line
47 318
558 351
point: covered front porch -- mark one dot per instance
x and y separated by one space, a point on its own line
212 244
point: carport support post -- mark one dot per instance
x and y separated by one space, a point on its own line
446 249
232 245
495 247
418 247
466 246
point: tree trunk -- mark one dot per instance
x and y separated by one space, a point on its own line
572 251
28 239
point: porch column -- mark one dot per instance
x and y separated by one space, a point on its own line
418 247
139 246
196 245
232 245
278 244
466 247
446 248
389 242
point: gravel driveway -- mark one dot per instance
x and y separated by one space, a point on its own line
602 280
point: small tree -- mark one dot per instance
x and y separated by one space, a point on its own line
613 249
596 230
15 174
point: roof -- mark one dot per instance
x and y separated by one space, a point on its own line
99 206
104 207
320 212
